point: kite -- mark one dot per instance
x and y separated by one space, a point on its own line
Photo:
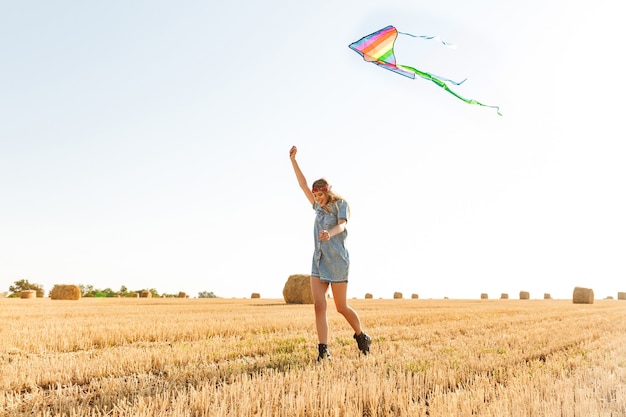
378 49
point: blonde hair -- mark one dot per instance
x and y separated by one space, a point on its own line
332 196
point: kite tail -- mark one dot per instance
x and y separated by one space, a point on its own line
444 79
448 44
428 38
443 85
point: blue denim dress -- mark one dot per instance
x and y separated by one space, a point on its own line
331 261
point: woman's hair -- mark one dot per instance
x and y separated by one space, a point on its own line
323 185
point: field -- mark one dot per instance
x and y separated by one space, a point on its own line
256 357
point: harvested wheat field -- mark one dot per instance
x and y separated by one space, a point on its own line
256 357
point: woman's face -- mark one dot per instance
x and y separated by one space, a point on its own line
321 198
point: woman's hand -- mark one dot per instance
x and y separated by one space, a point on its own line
324 236
292 152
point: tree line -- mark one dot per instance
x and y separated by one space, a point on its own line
89 291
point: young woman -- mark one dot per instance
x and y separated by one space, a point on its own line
331 261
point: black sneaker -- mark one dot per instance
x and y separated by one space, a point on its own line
364 342
323 352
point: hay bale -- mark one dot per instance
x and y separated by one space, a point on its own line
621 295
504 296
397 295
415 296
146 294
65 292
28 294
582 295
524 295
136 295
182 294
484 296
297 289
368 296
255 295
547 296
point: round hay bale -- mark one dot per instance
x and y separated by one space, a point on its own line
28 294
65 292
297 289
524 295
397 295
415 296
582 295
182 294
368 296
255 295
146 294
547 296
504 296
136 295
484 296
621 295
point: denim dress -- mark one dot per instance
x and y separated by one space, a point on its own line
331 262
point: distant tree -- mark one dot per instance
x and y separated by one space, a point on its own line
166 295
86 290
90 291
123 291
22 285
205 294
107 292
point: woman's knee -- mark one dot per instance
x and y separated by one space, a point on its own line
343 309
319 300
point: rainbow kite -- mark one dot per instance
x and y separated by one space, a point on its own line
378 49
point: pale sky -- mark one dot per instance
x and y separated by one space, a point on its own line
146 144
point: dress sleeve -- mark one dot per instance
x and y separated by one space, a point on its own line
342 210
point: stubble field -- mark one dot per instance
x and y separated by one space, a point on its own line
257 357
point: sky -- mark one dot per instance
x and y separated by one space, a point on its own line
146 144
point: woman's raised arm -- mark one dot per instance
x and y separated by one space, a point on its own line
299 175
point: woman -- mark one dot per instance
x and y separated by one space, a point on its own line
331 261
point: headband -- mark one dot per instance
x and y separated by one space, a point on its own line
325 188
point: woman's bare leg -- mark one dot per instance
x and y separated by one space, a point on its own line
319 289
340 292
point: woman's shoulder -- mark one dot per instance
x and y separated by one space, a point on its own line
341 208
